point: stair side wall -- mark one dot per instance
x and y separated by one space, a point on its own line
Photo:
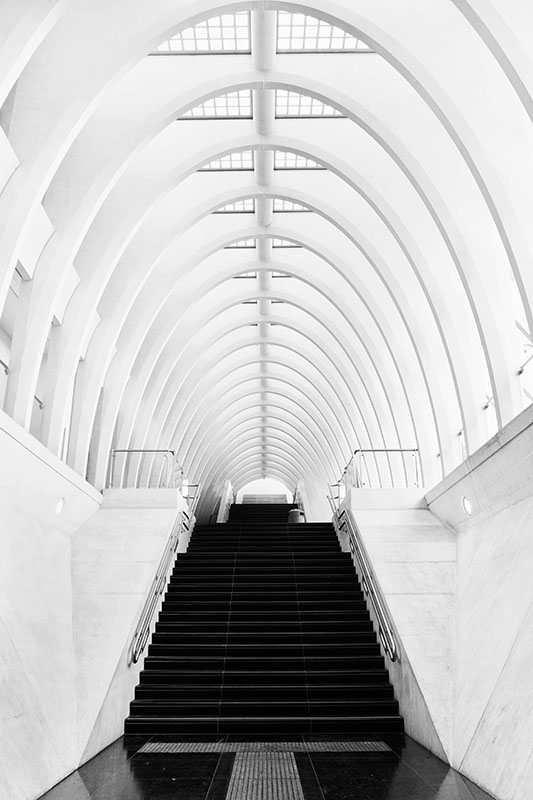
493 708
37 664
114 559
414 555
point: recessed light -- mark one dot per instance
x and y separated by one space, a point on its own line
60 506
467 505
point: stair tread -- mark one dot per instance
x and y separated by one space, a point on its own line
264 623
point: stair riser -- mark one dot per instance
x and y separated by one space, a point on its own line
259 694
257 677
257 726
264 630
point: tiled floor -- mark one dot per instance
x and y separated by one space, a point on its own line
405 772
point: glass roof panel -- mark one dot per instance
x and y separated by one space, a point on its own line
243 244
238 207
299 33
288 205
284 243
235 105
283 159
228 33
292 104
243 160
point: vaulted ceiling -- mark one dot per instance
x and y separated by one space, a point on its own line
265 234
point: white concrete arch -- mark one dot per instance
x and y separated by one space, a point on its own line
312 402
417 220
317 314
298 370
244 296
290 414
148 407
290 405
274 451
253 419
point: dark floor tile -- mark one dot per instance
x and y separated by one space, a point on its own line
451 784
161 777
72 788
308 779
369 778
190 737
260 737
86 780
457 787
220 782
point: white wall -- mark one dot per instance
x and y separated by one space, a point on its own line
71 590
414 559
493 709
115 556
37 666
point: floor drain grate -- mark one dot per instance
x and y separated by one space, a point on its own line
265 747
265 776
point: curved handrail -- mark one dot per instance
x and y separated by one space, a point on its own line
182 523
370 586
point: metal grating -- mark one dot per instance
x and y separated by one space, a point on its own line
238 207
265 747
279 243
294 105
241 244
228 33
300 33
265 776
283 159
288 206
243 160
234 105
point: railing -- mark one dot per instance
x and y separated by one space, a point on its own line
226 501
183 524
145 469
343 521
298 498
380 468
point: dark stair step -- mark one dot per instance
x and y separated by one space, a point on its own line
263 726
264 630
227 651
284 677
274 708
273 691
262 639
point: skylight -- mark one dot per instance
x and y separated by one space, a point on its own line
286 160
243 160
235 105
284 243
238 207
299 33
229 33
288 205
241 244
293 104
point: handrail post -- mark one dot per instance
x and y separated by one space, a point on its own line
111 477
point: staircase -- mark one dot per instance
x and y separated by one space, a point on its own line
264 630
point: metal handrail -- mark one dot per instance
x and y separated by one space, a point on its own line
368 582
361 452
169 460
183 523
